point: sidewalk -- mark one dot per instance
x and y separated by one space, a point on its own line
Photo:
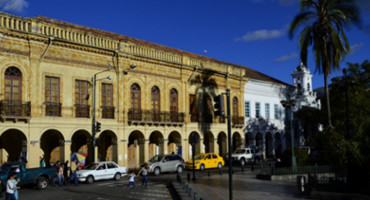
245 186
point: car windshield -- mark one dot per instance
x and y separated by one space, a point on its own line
92 166
199 156
239 151
156 158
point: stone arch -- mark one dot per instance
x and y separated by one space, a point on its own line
209 142
156 144
269 145
237 141
14 142
82 142
52 144
174 143
197 144
222 144
136 142
107 146
249 139
259 141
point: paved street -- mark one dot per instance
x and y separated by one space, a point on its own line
103 190
214 187
245 186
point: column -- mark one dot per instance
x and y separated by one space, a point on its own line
165 146
216 147
146 150
34 153
122 152
67 150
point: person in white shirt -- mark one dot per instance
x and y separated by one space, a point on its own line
132 180
10 187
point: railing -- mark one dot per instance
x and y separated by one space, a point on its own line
82 111
89 38
237 121
270 169
15 108
53 109
150 116
107 112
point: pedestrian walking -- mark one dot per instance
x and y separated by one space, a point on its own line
144 173
56 176
73 174
65 172
15 182
132 180
10 187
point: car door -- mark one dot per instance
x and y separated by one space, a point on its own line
100 172
112 170
208 161
165 164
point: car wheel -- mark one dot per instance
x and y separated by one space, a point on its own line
202 167
179 170
242 161
117 176
157 171
90 179
219 166
42 183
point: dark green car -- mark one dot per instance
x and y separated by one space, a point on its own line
40 177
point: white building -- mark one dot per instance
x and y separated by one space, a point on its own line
265 117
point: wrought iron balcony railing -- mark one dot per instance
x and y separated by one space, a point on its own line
150 116
107 112
237 121
53 109
82 111
15 108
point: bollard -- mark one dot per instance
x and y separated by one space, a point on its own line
188 176
220 171
186 188
182 182
252 166
209 173
195 196
190 192
178 178
242 169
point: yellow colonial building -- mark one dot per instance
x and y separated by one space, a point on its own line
149 98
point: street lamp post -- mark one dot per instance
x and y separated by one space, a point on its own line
290 103
93 123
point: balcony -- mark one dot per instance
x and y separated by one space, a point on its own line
237 122
107 112
53 109
82 111
151 117
15 110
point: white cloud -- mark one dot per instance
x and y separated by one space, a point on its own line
14 5
286 57
356 47
261 35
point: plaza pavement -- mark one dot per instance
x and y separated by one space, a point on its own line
245 187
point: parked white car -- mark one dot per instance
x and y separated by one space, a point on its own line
101 171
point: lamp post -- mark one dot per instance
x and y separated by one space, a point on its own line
290 103
93 123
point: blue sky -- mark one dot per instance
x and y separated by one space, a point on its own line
251 33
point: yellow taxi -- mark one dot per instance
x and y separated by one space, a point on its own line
205 161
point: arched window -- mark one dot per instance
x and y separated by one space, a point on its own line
174 105
135 102
156 106
308 87
235 107
13 85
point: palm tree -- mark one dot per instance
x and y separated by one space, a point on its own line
323 22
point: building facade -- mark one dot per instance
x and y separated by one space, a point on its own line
155 98
265 117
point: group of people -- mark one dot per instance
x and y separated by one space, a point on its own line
61 173
144 173
11 187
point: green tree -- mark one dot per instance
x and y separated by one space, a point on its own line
323 24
